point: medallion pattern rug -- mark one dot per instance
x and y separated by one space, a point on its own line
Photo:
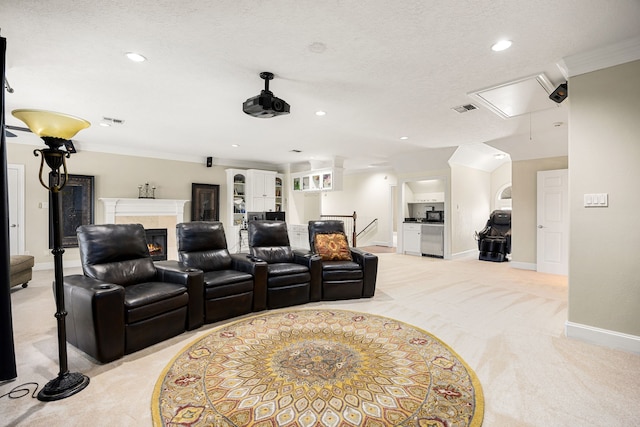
317 368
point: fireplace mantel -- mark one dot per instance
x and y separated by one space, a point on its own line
114 207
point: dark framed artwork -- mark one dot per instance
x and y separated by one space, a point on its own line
76 208
205 202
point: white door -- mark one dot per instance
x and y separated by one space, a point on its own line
15 175
553 222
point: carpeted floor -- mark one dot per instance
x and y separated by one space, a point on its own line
507 324
321 368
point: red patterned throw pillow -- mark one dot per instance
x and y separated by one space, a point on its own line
332 247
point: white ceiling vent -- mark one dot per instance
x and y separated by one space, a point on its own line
113 121
517 97
464 108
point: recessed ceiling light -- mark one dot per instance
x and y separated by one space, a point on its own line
404 138
235 145
135 57
105 125
501 45
499 156
321 113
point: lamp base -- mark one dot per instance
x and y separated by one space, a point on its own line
63 386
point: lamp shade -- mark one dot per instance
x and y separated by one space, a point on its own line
49 123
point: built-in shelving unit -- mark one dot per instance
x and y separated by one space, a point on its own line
279 195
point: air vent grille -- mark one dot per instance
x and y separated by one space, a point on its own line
113 121
464 108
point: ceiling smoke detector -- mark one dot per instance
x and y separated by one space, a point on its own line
464 108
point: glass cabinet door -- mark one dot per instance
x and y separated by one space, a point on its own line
239 198
279 206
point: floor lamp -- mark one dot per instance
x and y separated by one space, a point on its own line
56 130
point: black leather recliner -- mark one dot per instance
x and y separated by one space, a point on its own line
494 240
233 284
124 302
343 279
292 275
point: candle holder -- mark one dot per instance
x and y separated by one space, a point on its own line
146 191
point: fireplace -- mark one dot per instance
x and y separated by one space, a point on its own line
157 243
151 213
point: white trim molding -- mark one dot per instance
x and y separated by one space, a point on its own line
598 59
114 207
603 337
524 265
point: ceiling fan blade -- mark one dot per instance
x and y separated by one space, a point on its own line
20 128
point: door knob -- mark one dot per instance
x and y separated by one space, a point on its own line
541 226
14 225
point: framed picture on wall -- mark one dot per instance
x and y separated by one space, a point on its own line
205 202
76 207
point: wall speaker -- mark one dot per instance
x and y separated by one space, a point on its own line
209 162
560 94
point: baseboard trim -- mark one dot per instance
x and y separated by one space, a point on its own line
523 265
380 243
603 337
465 254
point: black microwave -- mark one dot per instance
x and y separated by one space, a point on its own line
435 216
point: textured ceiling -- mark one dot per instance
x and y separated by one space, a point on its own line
380 69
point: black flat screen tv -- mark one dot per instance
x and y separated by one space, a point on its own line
274 216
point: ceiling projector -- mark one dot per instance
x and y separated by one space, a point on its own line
265 105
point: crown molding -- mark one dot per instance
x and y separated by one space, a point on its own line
603 57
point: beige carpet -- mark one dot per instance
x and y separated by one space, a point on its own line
507 324
318 368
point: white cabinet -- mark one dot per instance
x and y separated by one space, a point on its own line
261 195
437 197
411 238
249 190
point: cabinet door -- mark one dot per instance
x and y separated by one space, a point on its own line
411 239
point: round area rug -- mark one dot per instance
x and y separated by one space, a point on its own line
317 368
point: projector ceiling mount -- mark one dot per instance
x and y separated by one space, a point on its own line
265 105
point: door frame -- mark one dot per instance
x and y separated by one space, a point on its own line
19 192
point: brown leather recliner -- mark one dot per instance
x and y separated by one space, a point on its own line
345 278
292 275
233 284
124 302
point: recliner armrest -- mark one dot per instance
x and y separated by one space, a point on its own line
95 311
259 270
314 263
369 264
193 279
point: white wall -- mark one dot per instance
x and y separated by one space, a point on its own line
604 157
470 204
369 195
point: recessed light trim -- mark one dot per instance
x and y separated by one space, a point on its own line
235 145
135 57
321 113
501 45
404 138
